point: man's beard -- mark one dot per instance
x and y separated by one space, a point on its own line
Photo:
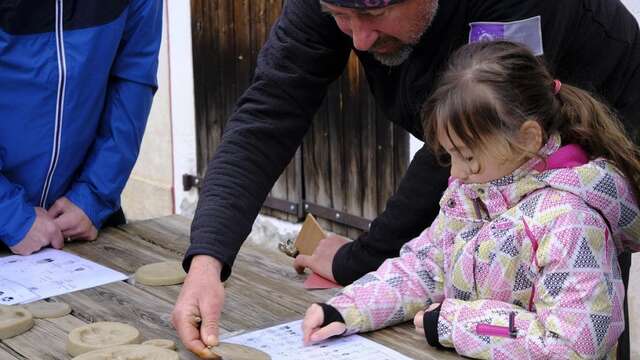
399 56
395 58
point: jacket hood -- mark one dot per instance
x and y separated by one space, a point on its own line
597 182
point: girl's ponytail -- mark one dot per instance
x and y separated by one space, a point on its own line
586 121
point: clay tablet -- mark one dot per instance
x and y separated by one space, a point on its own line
14 320
229 351
48 310
130 352
161 343
101 335
162 273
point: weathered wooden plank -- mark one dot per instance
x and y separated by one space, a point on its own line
256 274
46 339
336 151
353 95
169 232
403 338
121 251
370 178
9 354
384 163
124 303
317 156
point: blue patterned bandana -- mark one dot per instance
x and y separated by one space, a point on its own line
362 4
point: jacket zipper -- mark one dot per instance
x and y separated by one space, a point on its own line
501 331
62 73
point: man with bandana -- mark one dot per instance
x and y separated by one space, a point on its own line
402 45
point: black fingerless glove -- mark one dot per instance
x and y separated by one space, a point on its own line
331 314
430 323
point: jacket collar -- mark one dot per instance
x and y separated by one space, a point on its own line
484 202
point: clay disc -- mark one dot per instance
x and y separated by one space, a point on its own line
48 310
239 352
14 320
130 352
162 273
161 343
101 335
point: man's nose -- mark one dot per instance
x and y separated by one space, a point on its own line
363 36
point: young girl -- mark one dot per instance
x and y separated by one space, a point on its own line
522 260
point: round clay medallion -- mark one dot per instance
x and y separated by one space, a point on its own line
14 320
162 273
130 352
101 335
161 343
228 351
48 310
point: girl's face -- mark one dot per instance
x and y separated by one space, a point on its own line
480 165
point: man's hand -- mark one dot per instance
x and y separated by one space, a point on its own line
72 221
197 312
311 329
418 320
321 261
43 232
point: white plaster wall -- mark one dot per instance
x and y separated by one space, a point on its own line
149 191
182 103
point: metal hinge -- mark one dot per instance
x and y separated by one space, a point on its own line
190 181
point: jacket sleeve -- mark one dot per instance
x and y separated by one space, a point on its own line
578 302
16 215
410 210
400 288
304 53
128 101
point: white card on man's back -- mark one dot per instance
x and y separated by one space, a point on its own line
50 272
284 342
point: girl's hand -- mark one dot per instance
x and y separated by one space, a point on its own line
311 326
419 318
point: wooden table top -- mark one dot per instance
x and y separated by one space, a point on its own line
262 291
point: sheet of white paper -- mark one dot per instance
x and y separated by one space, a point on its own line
284 342
50 272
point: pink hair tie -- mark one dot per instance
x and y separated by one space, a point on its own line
556 86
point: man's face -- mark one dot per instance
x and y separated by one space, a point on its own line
388 33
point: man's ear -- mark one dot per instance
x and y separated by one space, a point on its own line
530 135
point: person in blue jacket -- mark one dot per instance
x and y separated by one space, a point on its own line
77 79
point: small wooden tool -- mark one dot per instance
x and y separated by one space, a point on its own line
309 236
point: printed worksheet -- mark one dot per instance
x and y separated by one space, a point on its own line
284 342
50 272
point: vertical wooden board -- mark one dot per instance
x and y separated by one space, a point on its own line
384 162
294 182
354 95
370 201
336 153
316 158
401 154
198 27
242 24
215 86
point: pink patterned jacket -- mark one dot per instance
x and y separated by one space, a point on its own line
541 243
